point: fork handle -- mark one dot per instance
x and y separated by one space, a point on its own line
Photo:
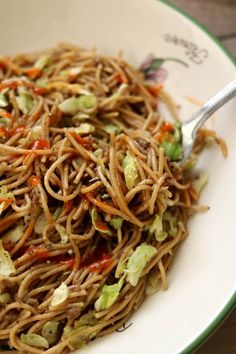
217 101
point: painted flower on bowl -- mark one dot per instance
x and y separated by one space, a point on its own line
153 70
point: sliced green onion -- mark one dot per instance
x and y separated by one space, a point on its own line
35 340
130 170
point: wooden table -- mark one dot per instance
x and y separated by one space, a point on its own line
219 16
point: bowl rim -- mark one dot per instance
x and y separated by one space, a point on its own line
231 303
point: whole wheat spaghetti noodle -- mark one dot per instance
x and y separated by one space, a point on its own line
93 203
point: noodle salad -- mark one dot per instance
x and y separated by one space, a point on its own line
93 203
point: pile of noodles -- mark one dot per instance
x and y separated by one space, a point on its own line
83 184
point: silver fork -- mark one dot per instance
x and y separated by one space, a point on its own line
191 127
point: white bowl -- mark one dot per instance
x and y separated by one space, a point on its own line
202 282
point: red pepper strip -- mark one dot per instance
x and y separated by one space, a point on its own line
107 208
37 252
167 128
21 129
68 206
154 90
13 84
68 261
40 144
6 200
121 78
101 265
5 114
101 226
3 132
40 90
85 142
33 73
34 181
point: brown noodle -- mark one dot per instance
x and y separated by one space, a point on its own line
72 175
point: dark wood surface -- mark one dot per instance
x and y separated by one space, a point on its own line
219 16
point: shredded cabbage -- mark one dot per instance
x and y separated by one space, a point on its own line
40 224
50 331
6 264
35 340
84 128
63 234
71 71
156 228
116 222
25 102
74 104
42 62
153 283
42 82
112 129
72 334
36 132
130 170
3 101
199 183
98 224
173 150
2 205
173 226
109 295
60 295
5 121
14 235
5 298
137 262
5 194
